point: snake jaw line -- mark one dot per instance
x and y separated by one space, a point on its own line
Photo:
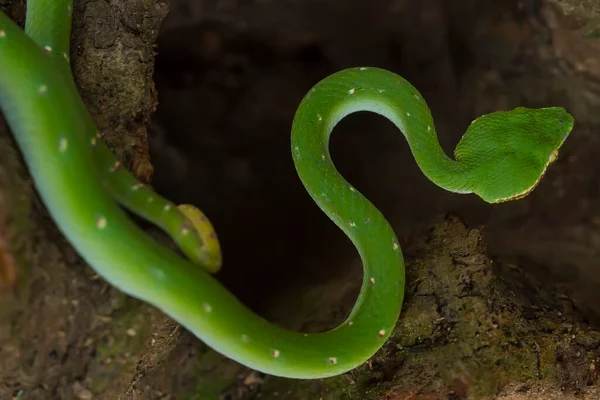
553 157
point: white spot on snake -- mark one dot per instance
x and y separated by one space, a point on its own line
395 245
351 91
332 360
352 189
372 280
381 333
43 89
428 128
184 231
362 69
319 117
275 353
101 223
206 307
407 114
115 166
63 144
157 272
350 323
94 141
245 338
381 90
48 48
323 156
352 224
2 33
65 55
137 186
167 207
305 334
150 199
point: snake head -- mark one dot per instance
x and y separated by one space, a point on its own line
508 152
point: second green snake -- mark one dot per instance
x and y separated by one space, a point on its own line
501 157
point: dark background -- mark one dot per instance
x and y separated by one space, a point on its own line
230 75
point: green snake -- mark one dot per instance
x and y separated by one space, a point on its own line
502 156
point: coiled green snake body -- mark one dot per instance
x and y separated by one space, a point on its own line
502 156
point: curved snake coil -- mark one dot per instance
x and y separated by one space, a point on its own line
501 157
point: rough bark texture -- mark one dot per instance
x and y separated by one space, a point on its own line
585 15
471 329
62 328
512 316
